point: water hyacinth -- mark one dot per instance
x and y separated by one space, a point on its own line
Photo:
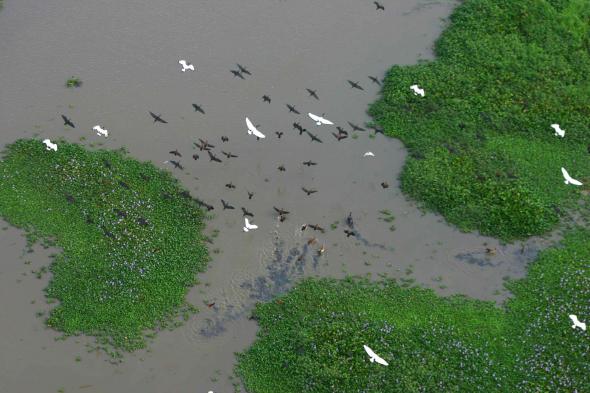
118 275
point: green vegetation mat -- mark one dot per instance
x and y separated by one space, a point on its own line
132 243
482 152
311 340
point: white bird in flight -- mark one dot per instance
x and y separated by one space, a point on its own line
369 154
186 66
558 130
253 130
569 179
319 120
577 323
49 145
417 90
100 131
375 357
248 225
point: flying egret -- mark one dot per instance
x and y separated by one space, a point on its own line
577 323
569 179
417 90
375 357
253 130
369 154
319 120
186 66
100 131
49 145
558 130
248 225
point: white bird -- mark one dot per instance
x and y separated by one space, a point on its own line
49 145
248 225
577 323
253 130
417 90
569 179
375 357
319 120
100 131
558 130
186 66
369 154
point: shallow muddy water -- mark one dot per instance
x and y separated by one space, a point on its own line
127 55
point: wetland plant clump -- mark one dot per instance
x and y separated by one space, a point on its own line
482 152
132 244
74 82
312 340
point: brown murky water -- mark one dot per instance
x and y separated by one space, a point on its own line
127 55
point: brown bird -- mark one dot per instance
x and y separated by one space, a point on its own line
176 153
250 194
384 184
224 138
227 205
229 155
213 157
281 168
246 212
279 134
311 240
304 227
355 127
177 164
339 136
308 192
211 304
230 185
341 130
266 98
280 211
379 6
317 228
195 156
309 163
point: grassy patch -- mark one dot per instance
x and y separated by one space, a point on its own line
313 340
132 244
482 152
74 82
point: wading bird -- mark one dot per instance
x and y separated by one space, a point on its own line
417 90
355 127
237 73
213 157
369 154
319 120
355 85
569 179
313 94
157 118
309 163
246 212
175 153
577 323
226 205
229 155
249 226
253 130
266 98
243 69
198 108
279 134
308 192
375 80
374 357
49 145
68 122
558 130
101 131
292 109
186 66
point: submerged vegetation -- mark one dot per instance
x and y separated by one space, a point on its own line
74 82
131 238
311 340
482 152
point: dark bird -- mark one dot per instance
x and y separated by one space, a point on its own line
355 127
157 118
308 192
297 126
349 221
282 218
281 168
68 122
280 211
201 203
304 227
120 213
176 153
341 130
123 184
314 138
237 73
213 157
348 233
309 163
198 108
339 136
317 228
211 304
226 205
311 240
246 212
206 144
195 156
229 155
292 109
266 98
177 164
379 6
313 94
243 69
70 198
230 185
250 194
279 134
355 85
142 221
375 80
224 139
384 185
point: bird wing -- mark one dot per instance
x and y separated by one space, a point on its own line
575 182
326 121
369 154
381 361
258 133
247 222
250 125
565 174
369 351
314 117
